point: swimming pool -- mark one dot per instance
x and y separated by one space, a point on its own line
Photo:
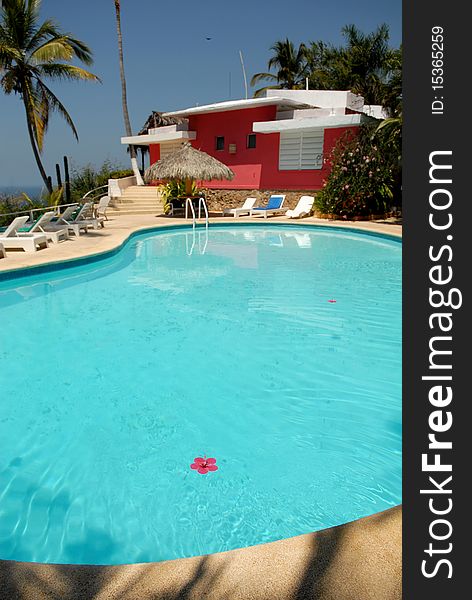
276 350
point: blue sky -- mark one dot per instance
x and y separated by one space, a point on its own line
169 65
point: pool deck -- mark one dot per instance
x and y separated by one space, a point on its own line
118 229
356 561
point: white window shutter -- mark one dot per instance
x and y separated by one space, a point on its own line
169 147
301 150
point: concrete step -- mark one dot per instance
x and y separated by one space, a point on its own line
124 207
138 200
149 203
139 196
138 190
136 211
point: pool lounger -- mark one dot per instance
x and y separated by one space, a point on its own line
303 208
63 221
10 238
242 210
85 217
43 225
274 207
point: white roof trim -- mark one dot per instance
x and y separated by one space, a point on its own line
157 138
308 123
237 105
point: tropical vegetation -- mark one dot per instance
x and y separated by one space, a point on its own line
291 67
24 203
33 53
88 177
82 180
364 178
365 169
175 189
365 64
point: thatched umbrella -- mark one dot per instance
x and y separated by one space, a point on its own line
188 164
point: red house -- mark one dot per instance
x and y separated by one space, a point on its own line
276 142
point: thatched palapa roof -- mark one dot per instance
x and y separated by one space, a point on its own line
188 163
157 119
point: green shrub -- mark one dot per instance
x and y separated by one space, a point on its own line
362 178
176 189
24 203
86 178
120 174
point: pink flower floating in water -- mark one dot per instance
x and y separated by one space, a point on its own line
203 465
332 301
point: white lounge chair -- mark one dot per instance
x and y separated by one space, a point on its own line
65 220
10 238
101 208
242 210
45 225
274 207
303 208
85 217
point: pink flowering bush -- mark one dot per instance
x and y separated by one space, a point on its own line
362 177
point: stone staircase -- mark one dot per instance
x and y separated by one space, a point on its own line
137 200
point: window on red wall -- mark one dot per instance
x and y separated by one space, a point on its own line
219 142
251 140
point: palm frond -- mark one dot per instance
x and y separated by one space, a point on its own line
81 50
52 50
36 114
47 30
55 104
70 72
263 76
261 91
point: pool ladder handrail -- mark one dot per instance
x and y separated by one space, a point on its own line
201 203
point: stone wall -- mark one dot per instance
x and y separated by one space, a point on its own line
217 200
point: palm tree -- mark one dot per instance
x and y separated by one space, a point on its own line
368 58
290 64
366 65
32 53
392 100
124 100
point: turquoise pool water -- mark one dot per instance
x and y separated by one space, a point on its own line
116 375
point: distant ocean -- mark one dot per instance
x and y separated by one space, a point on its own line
13 190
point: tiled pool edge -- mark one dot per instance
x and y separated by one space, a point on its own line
57 265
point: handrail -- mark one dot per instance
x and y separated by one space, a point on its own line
30 211
188 203
95 189
33 210
201 202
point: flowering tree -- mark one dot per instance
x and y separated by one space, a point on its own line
362 177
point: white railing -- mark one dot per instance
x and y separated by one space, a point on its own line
86 196
201 204
30 211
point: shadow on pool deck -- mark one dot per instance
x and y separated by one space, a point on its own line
357 561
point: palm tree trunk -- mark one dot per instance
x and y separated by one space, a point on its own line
44 176
129 133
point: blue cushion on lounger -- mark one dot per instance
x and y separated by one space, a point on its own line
274 203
